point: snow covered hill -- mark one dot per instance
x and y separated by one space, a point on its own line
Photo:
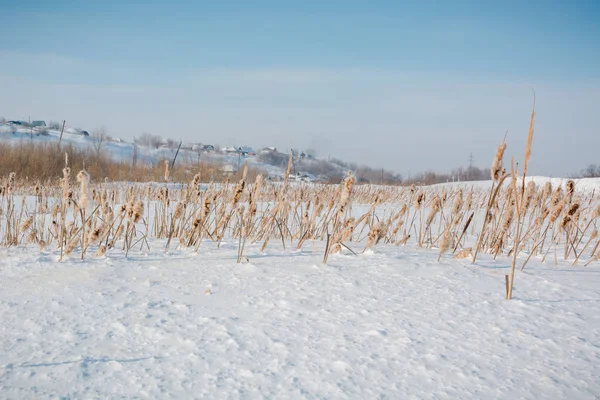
582 185
120 150
124 151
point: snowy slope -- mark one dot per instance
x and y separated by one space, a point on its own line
582 185
123 151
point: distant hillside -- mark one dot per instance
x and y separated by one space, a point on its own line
271 161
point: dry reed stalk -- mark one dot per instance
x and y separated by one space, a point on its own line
444 245
464 231
167 171
177 214
247 225
556 212
374 235
518 202
493 194
302 213
346 191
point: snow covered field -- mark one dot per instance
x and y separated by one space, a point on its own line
391 323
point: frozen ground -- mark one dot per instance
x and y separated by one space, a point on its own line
389 324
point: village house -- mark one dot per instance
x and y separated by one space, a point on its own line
246 151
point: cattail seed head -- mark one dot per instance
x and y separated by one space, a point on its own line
445 243
32 236
420 199
464 253
101 251
558 208
83 178
137 211
94 235
547 190
435 207
529 194
573 209
166 170
556 196
196 180
496 169
26 224
237 193
178 211
508 218
457 202
570 186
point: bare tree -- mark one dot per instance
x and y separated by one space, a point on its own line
592 171
274 158
2 120
148 140
135 155
99 138
171 144
54 125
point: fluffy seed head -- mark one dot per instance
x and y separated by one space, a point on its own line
496 169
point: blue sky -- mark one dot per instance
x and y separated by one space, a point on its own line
402 85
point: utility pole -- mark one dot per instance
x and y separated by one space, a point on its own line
470 170
176 153
61 131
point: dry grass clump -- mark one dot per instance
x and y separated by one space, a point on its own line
107 214
104 216
43 162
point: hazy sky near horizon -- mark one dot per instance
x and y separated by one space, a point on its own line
409 86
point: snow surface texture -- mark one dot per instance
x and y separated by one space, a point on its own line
391 323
